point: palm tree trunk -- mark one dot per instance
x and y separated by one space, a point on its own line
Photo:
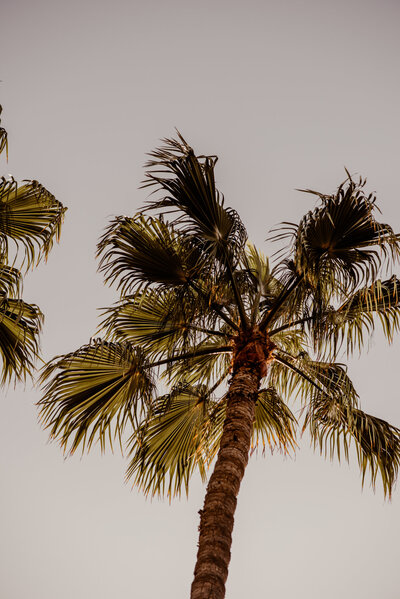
217 516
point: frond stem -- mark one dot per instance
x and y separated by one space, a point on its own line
256 305
208 331
215 306
298 371
283 296
239 302
193 354
219 381
289 325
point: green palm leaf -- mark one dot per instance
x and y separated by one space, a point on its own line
10 281
340 244
274 422
358 314
258 267
142 251
291 341
100 387
189 182
309 378
173 441
377 443
163 322
20 325
265 288
150 320
30 216
205 368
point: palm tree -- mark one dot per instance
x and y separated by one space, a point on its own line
232 338
30 220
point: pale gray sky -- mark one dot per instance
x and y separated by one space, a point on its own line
287 94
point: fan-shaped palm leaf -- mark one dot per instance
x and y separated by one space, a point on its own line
10 281
189 183
206 363
101 386
29 216
309 378
163 322
264 289
274 423
173 441
377 443
141 251
340 244
148 319
358 314
20 325
183 432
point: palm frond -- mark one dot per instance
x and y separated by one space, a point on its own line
100 387
149 319
274 423
357 316
333 427
309 378
10 281
20 325
288 305
173 441
163 322
30 216
141 251
213 361
189 184
215 293
257 266
340 244
291 340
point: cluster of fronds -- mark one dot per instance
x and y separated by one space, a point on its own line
189 285
30 220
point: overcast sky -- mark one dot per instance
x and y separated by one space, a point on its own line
287 94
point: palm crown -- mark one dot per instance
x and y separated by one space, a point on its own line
200 306
194 295
30 220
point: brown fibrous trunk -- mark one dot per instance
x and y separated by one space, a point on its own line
251 355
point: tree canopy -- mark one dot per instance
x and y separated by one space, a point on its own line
194 293
30 221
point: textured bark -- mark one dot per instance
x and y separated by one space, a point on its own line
217 516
